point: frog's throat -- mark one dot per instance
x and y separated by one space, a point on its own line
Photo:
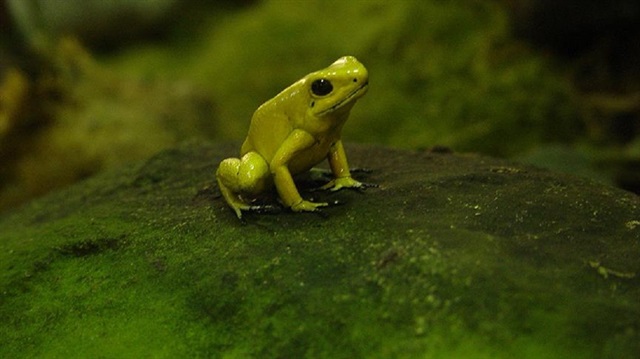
345 100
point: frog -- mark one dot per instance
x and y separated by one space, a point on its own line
293 132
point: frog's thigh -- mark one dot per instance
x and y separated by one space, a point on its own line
249 174
253 173
227 174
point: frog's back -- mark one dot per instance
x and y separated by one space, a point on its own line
273 121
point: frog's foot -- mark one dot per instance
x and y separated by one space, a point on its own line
239 206
346 182
234 200
306 206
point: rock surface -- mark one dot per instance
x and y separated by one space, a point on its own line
452 256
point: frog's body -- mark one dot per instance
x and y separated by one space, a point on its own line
293 132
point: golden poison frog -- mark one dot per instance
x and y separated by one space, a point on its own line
291 133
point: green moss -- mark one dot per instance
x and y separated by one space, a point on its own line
453 256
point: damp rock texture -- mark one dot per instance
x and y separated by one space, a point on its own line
453 255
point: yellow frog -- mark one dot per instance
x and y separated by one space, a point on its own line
291 133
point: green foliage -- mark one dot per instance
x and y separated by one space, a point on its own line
441 72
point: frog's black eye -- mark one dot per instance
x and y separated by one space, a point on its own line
321 87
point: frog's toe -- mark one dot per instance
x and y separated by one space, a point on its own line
345 182
238 212
243 207
238 208
306 206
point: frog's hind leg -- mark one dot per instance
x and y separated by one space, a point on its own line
247 175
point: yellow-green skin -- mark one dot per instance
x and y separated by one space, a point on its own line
291 133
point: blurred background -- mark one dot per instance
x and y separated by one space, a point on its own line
86 85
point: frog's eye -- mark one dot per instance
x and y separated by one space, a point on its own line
321 87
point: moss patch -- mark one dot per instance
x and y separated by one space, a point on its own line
452 256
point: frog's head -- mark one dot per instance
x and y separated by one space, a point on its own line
336 87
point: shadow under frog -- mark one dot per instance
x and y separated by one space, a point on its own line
291 133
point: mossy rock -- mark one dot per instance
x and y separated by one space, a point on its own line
452 256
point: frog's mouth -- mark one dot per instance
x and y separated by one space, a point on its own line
345 100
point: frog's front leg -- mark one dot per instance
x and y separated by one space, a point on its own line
247 175
297 141
340 169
